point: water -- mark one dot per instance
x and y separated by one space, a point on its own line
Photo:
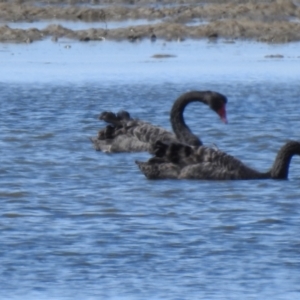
78 25
79 224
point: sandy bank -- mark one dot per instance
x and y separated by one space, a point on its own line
266 21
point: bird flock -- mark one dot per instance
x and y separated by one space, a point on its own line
181 154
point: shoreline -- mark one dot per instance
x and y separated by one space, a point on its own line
268 22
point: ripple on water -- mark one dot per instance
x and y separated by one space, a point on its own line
79 224
13 195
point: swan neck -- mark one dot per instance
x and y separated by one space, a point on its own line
281 165
181 130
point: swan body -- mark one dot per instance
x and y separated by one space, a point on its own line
178 161
124 134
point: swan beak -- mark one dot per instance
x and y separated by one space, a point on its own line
222 113
224 120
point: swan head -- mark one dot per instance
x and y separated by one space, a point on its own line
217 102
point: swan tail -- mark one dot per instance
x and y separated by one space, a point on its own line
119 119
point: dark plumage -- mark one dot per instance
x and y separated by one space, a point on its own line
125 134
180 161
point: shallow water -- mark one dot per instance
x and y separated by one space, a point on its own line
77 25
200 62
79 224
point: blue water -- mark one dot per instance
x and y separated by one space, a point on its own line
80 224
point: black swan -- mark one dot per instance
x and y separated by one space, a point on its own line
125 134
178 161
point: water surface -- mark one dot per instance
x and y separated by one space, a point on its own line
78 25
80 224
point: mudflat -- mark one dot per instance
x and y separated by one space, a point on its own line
265 21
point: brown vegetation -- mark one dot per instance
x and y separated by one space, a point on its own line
267 21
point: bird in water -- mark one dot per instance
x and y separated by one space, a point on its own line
124 134
180 161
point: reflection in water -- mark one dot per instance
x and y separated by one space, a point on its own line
79 224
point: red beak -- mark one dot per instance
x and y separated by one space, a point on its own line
222 113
